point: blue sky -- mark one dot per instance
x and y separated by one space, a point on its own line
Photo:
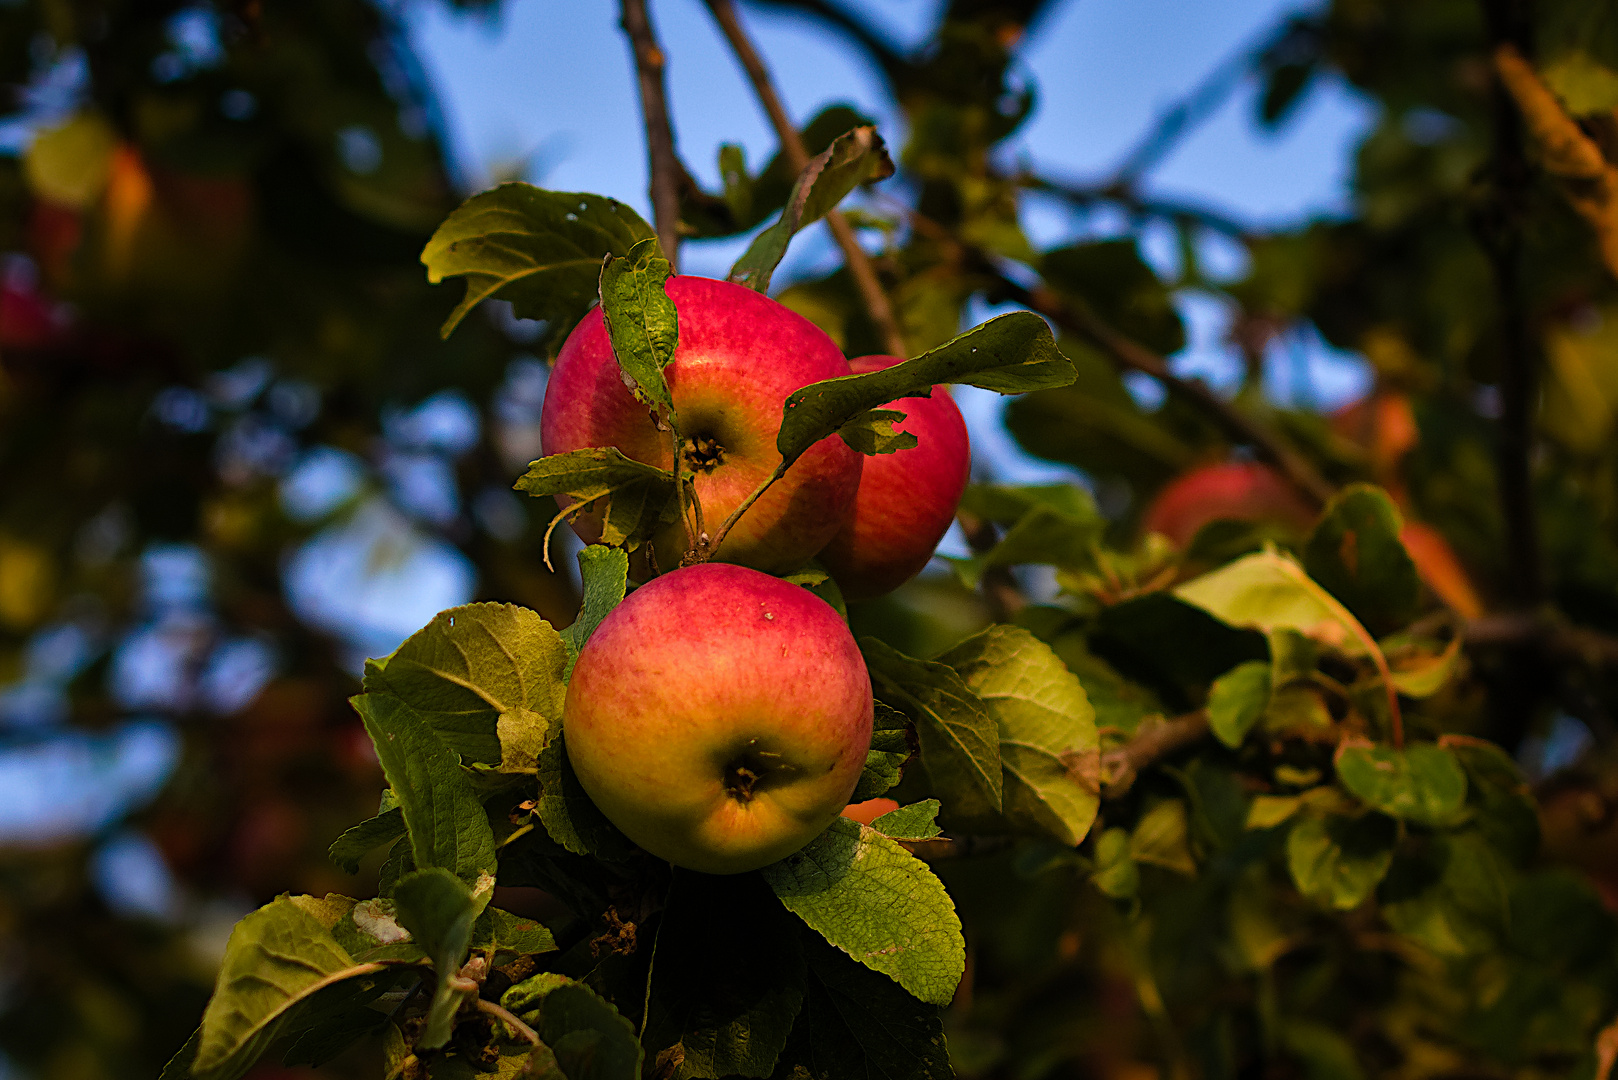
546 91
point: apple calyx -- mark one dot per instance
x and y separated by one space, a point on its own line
703 453
753 771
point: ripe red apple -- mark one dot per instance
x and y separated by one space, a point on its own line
719 717
906 499
740 355
1235 490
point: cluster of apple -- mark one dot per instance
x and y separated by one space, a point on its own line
720 716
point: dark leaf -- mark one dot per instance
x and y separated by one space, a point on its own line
859 157
1356 553
639 497
541 250
1010 353
960 740
727 978
360 840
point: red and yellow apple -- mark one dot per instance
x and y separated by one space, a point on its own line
906 500
719 717
740 355
1233 490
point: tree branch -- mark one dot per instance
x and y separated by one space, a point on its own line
1151 743
666 170
1137 205
507 1017
1501 230
999 587
859 264
1130 354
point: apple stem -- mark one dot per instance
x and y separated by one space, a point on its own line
507 1017
709 547
691 531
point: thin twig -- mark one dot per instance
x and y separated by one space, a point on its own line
859 264
664 164
507 1017
1130 354
1138 205
1150 744
999 587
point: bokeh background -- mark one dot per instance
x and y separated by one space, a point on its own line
236 458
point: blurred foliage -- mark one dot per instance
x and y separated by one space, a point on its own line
213 215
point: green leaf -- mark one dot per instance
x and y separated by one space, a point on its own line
446 822
1237 700
727 977
1337 860
474 669
1162 838
877 902
959 737
858 157
589 1037
360 840
639 497
439 910
855 1023
1455 899
604 572
1010 353
641 321
1049 749
1356 554
1268 591
541 250
913 822
1423 784
1054 525
179 1066
278 958
498 931
1421 669
1115 872
570 817
1110 277
890 749
872 433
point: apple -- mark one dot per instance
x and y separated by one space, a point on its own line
740 355
719 717
1234 490
906 500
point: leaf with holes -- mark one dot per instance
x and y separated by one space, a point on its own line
641 320
878 903
1010 353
